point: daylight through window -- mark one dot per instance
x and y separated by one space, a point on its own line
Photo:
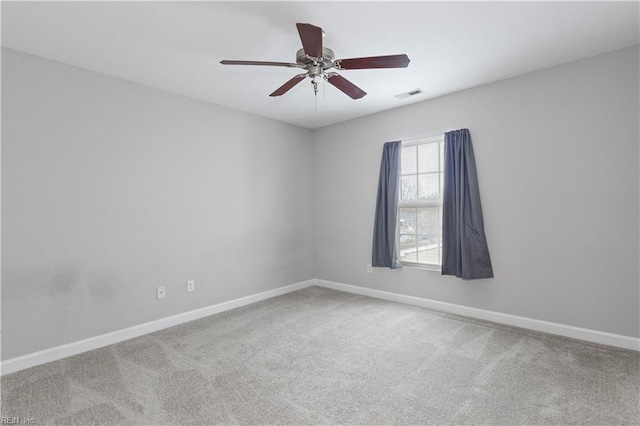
420 206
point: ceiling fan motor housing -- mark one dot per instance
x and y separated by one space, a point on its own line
325 62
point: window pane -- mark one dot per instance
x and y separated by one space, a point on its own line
408 160
407 248
407 244
441 145
429 186
428 221
428 158
408 255
407 220
429 251
409 189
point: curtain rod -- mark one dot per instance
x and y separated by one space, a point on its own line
437 136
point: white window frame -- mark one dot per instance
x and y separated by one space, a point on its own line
419 203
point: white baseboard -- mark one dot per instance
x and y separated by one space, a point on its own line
74 348
588 335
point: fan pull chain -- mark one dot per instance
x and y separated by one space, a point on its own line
315 95
324 90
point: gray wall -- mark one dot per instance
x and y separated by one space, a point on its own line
111 188
557 156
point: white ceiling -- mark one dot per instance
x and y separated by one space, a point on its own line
177 46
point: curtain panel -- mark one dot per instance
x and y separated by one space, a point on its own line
465 253
384 228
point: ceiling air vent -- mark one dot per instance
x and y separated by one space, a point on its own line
408 94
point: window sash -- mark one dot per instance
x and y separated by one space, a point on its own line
417 237
421 203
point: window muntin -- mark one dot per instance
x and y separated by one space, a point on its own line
420 204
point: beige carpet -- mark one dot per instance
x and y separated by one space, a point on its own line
319 356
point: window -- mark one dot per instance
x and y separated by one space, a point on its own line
420 205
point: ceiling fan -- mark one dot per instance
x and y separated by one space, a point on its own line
317 59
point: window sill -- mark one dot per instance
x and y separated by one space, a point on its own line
434 268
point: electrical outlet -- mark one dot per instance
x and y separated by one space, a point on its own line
369 268
191 285
161 292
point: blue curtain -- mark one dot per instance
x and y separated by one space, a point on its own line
384 228
464 245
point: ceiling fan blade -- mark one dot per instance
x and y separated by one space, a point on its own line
269 64
288 85
311 37
391 61
350 89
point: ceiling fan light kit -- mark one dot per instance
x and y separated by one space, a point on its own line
317 60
